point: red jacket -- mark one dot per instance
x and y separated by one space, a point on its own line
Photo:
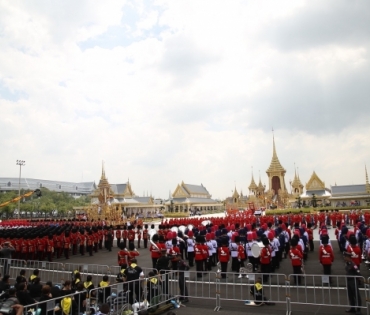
198 252
241 252
295 256
223 254
356 254
265 257
326 255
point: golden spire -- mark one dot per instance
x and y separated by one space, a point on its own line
367 182
260 186
102 171
275 165
253 185
296 183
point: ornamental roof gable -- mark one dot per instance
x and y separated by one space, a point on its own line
315 183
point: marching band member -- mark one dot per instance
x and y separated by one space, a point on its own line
190 243
296 258
274 243
138 233
265 259
155 250
209 245
145 236
223 258
326 255
198 255
214 249
250 241
354 250
241 255
118 235
233 247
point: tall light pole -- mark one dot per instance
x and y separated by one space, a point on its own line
20 163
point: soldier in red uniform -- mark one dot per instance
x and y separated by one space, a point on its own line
40 247
145 236
296 258
90 242
122 256
265 259
199 255
50 247
223 258
138 233
82 241
118 235
67 244
326 255
124 236
155 250
354 250
131 234
74 241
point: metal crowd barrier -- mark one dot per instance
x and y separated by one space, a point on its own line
235 288
327 290
51 271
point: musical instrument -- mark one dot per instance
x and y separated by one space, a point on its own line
206 222
190 227
151 233
175 229
182 228
256 249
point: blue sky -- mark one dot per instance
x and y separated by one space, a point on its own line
165 91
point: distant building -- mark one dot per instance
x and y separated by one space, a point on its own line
74 189
188 197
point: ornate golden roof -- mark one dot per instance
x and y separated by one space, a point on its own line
315 183
275 166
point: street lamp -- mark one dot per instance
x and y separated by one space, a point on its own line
20 163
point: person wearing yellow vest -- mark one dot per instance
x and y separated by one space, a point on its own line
88 285
133 275
105 290
34 275
153 286
256 292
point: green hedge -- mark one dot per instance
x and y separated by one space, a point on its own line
314 210
176 214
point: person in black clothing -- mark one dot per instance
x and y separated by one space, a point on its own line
5 285
35 288
6 251
182 266
45 296
24 296
80 298
163 267
153 286
54 290
353 284
21 278
133 273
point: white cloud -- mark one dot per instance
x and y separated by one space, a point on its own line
171 90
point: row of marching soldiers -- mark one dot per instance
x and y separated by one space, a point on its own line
206 247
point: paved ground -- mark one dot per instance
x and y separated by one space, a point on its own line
204 306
